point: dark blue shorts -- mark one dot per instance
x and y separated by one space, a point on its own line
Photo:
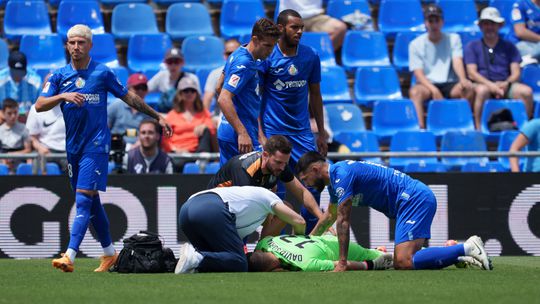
88 171
415 215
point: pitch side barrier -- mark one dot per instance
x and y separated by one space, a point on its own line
35 212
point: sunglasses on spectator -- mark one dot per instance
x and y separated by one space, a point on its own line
190 91
173 61
141 87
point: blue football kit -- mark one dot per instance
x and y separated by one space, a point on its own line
524 11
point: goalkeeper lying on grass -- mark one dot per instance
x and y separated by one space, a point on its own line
312 253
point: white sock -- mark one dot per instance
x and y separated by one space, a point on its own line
467 248
109 250
71 254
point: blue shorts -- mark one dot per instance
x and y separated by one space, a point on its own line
88 171
415 215
301 143
229 149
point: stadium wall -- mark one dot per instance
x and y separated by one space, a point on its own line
35 212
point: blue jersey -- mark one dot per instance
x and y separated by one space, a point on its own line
242 79
86 126
285 106
369 184
525 11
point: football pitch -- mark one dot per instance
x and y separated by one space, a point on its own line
515 279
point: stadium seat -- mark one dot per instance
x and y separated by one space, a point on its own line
4 54
376 83
536 112
469 36
345 118
169 2
362 141
517 107
202 74
459 141
491 166
505 141
104 50
187 19
322 44
212 168
26 18
43 51
391 116
52 169
400 16
340 8
362 49
146 52
425 167
4 170
412 141
24 169
123 16
77 12
191 168
459 15
238 16
110 3
449 115
530 75
334 86
202 52
505 8
400 56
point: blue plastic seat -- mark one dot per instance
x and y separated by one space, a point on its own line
238 16
24 169
4 54
469 36
505 141
400 56
169 2
459 141
104 50
26 18
340 8
459 15
202 74
191 168
491 166
400 16
345 117
212 168
536 112
334 87
505 8
52 169
202 52
376 83
362 141
146 52
449 115
322 44
110 3
4 170
187 19
517 107
79 12
530 75
425 167
391 116
43 51
412 141
364 49
123 24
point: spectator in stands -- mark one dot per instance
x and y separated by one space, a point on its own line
315 20
166 81
526 33
122 118
19 82
14 136
436 59
493 64
530 137
148 157
211 82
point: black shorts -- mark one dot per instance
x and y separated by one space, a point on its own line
445 88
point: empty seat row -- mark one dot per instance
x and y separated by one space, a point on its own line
26 169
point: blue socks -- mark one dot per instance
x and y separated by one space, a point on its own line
100 221
437 257
89 209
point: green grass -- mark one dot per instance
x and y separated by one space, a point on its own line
515 279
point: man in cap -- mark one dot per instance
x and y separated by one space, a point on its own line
493 64
19 82
436 59
166 80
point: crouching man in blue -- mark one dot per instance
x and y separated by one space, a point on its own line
398 196
215 221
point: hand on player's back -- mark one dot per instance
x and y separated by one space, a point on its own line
73 97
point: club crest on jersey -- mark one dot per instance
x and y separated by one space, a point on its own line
79 83
233 81
292 70
339 192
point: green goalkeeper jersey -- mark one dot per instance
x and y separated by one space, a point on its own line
311 253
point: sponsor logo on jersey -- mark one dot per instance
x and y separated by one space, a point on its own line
337 180
234 80
280 85
240 66
516 14
46 87
410 222
79 83
91 98
65 84
276 71
292 70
